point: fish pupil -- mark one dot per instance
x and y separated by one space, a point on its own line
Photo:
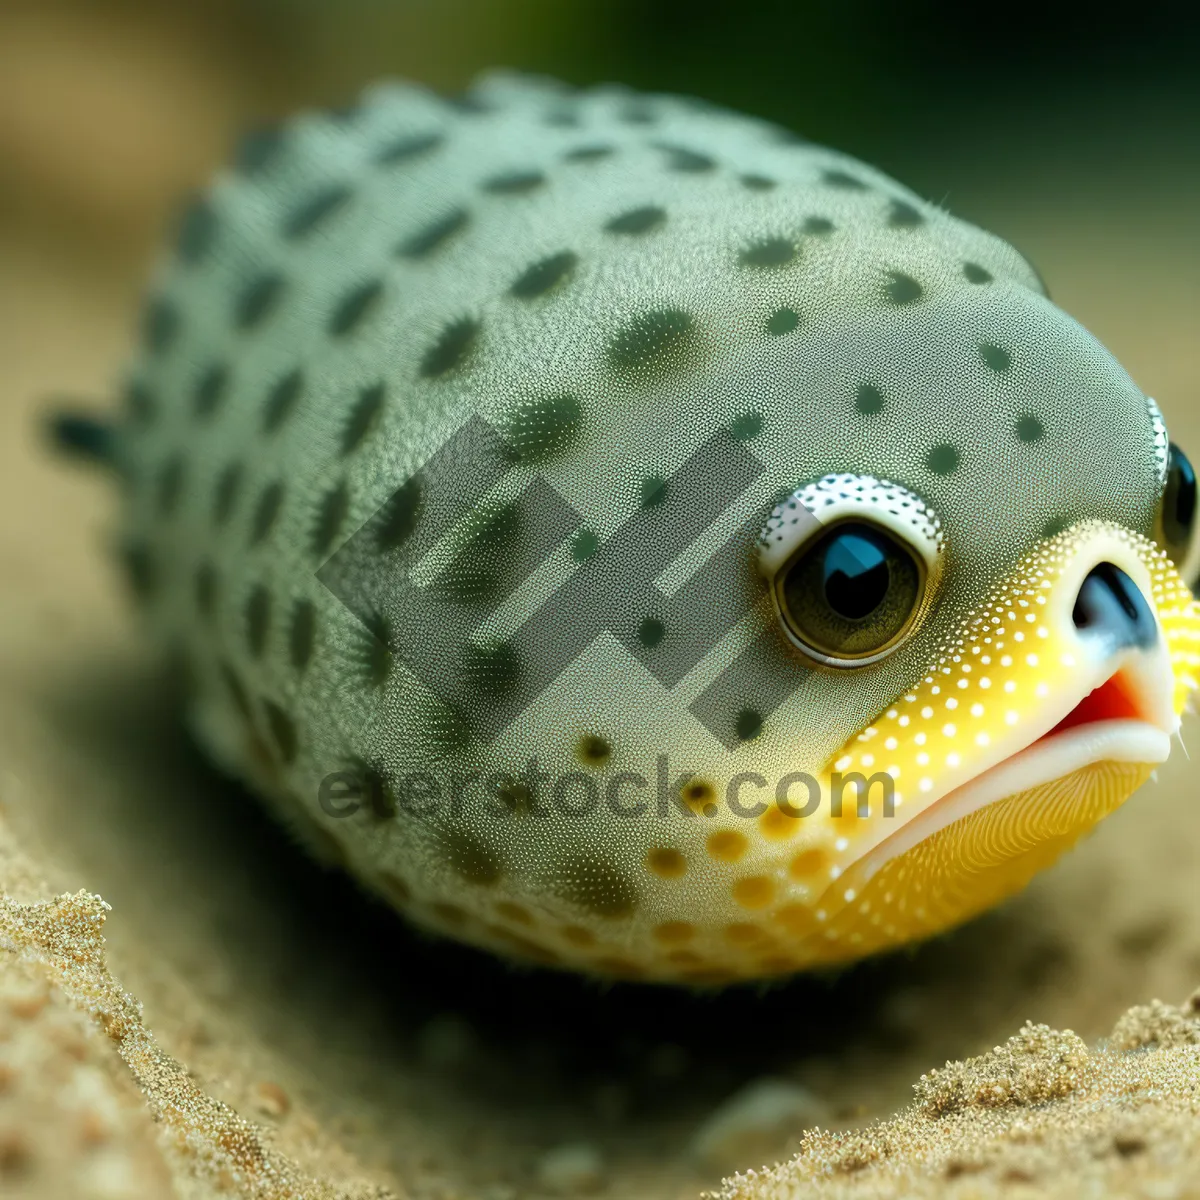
856 575
852 593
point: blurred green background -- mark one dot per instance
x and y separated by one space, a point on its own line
110 108
1071 132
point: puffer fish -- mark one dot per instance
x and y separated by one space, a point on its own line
633 539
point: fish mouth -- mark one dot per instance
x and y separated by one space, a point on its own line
1054 702
1114 722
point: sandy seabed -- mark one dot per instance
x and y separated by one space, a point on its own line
1041 1114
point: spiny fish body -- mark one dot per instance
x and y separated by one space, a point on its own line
557 498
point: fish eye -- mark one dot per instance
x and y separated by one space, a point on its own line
852 593
852 563
1177 510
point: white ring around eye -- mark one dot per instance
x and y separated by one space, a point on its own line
1162 443
813 508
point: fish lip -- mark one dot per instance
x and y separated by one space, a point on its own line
1050 755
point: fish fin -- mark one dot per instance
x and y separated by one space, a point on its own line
82 434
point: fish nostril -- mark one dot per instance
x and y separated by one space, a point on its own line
1111 606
